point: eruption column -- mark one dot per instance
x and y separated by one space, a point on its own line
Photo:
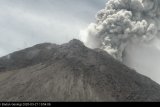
129 30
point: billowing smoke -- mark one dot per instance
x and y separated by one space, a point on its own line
129 30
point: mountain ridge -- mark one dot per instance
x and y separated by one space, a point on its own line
71 72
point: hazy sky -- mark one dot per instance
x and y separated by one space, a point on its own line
24 23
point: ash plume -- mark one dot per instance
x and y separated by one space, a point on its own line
128 29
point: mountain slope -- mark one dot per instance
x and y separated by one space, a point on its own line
71 72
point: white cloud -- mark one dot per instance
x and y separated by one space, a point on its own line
24 23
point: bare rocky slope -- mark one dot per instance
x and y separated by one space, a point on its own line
71 72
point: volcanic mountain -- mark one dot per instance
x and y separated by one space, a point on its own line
71 72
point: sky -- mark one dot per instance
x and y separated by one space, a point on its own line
24 23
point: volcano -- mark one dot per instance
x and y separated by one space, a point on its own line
71 72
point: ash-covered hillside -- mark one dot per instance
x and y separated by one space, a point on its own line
71 72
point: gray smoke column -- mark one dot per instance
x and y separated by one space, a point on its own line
128 29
